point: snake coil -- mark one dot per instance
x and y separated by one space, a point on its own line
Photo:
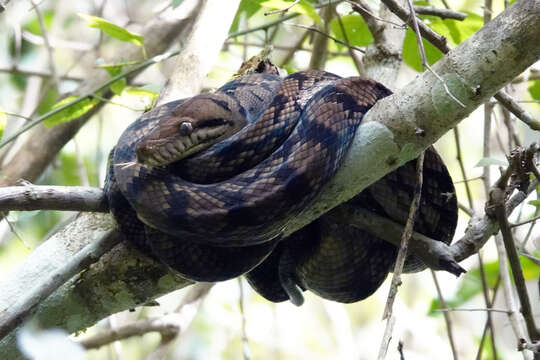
207 184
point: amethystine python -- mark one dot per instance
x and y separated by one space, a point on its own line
207 184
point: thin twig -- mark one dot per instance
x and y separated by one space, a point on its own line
513 137
390 322
467 210
402 253
530 257
363 9
469 179
488 109
166 325
514 316
509 103
517 272
474 309
16 115
354 57
42 74
532 220
447 319
281 11
459 158
442 13
488 327
15 232
42 197
486 150
289 49
520 161
489 304
241 302
311 28
50 51
425 64
320 40
57 43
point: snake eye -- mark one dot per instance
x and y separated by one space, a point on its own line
186 128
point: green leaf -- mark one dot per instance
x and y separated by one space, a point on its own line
531 270
303 7
3 122
411 55
534 203
356 29
309 10
143 93
50 98
118 86
247 8
71 112
114 30
534 89
176 3
457 31
114 69
487 161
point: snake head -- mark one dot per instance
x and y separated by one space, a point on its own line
189 129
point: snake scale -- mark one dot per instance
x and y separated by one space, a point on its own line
207 185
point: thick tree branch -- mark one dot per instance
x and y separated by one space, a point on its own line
16 313
440 43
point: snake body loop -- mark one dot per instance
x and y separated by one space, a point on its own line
219 213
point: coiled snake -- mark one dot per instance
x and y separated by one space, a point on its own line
207 184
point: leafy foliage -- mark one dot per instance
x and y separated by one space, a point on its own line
246 8
3 122
411 56
357 32
114 31
454 30
71 112
534 89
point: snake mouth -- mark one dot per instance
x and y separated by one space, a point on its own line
162 147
